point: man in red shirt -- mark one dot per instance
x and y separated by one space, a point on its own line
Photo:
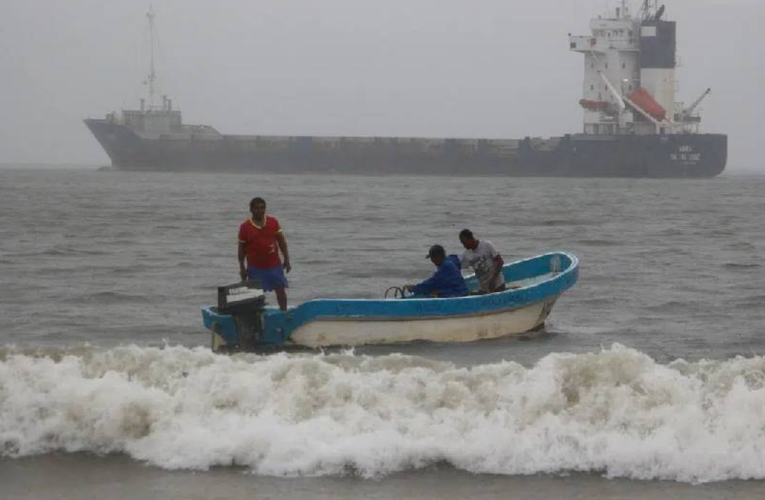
259 237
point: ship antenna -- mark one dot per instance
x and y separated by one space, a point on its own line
152 74
646 11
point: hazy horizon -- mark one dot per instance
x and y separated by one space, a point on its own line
404 68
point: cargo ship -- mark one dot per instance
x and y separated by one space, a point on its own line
633 126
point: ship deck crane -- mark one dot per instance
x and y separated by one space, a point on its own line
687 112
650 10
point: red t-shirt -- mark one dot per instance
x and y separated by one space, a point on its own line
260 242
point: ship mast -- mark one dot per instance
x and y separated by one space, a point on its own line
152 74
624 12
648 8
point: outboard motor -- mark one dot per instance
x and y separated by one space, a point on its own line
239 322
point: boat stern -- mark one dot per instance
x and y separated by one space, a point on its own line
237 322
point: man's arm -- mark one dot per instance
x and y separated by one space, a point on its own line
282 241
425 288
499 264
433 284
242 252
464 264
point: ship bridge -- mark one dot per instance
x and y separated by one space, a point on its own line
629 74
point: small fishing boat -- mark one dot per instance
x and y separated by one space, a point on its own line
242 321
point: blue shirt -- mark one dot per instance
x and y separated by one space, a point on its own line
447 281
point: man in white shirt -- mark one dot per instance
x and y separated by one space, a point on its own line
485 261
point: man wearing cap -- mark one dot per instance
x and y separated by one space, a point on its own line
446 282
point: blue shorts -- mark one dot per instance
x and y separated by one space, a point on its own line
270 279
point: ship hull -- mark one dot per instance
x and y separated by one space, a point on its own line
578 155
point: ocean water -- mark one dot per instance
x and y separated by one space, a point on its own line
649 381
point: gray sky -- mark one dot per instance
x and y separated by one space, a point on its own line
490 68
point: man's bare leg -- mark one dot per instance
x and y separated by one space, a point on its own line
281 298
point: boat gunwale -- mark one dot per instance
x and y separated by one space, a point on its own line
431 318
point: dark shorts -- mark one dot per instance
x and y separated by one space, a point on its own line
270 279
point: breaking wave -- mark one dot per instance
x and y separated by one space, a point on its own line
616 412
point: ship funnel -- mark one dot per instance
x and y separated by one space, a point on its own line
658 47
143 105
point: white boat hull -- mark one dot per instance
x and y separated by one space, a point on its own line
356 332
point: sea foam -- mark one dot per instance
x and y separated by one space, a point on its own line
615 412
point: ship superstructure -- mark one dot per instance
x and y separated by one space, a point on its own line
633 126
154 121
629 74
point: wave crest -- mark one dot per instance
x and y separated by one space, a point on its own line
617 412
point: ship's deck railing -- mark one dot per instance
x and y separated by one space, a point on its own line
602 44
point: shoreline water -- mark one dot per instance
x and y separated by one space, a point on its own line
86 477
